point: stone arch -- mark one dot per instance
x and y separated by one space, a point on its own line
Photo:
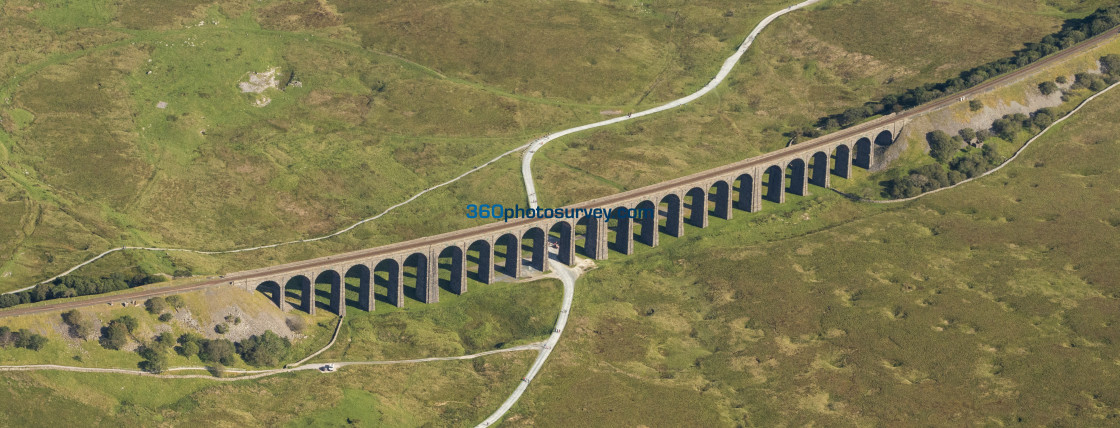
842 161
364 290
392 281
538 251
697 207
744 192
510 255
671 206
483 259
274 291
304 295
646 224
331 298
884 138
720 197
621 226
774 183
455 265
594 236
562 233
862 155
415 269
796 171
818 169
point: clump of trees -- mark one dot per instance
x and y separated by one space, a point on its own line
23 338
264 350
77 285
79 325
1072 32
267 349
116 334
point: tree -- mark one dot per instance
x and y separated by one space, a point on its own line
155 305
218 350
114 335
155 359
1047 87
983 135
1007 128
264 350
128 322
1110 64
941 146
79 326
189 349
35 342
968 134
175 301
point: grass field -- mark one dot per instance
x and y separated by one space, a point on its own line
388 105
432 394
989 304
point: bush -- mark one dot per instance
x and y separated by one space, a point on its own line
155 360
222 328
1061 80
217 351
264 350
1047 87
80 327
296 324
968 134
155 305
975 105
114 335
176 301
1110 64
129 322
941 146
189 349
165 317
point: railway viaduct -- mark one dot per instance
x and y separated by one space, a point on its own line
412 269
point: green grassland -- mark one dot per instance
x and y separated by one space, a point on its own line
397 97
993 303
434 394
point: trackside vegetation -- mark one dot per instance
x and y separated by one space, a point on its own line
958 157
1073 31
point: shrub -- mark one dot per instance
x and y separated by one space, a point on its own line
165 317
175 301
941 146
296 324
975 105
217 351
114 335
264 350
155 305
968 134
222 328
1061 80
1047 87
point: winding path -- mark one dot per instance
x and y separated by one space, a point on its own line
564 273
567 276
256 374
728 65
